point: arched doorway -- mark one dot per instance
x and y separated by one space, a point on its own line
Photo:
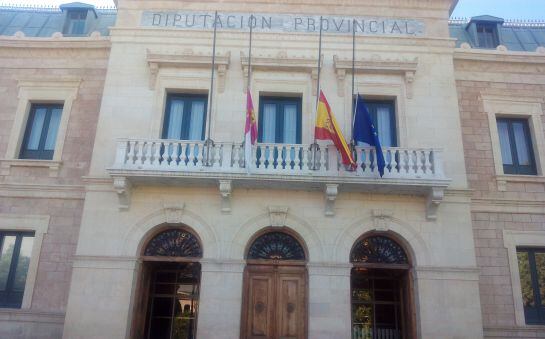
169 284
275 287
380 289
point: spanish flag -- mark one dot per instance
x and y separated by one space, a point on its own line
328 129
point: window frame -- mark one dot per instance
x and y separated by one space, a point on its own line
185 128
38 224
9 290
540 304
41 153
67 30
481 41
516 168
394 139
280 102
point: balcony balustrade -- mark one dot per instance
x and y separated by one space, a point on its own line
407 171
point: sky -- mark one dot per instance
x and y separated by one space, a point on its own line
507 9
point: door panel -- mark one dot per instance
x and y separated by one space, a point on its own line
290 308
261 305
274 302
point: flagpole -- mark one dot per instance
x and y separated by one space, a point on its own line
314 148
209 142
353 73
250 54
319 66
248 148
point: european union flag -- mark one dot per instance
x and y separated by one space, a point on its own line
365 131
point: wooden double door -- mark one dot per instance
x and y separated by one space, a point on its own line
274 302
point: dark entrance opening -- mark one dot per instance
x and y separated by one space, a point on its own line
380 290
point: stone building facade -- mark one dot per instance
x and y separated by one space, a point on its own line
139 228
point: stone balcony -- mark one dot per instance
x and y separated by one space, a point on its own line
287 166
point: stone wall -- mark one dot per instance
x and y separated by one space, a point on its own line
500 204
49 189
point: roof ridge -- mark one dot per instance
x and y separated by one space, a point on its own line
529 23
40 7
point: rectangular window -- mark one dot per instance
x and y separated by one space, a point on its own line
15 252
41 131
384 118
185 117
516 146
75 24
279 120
487 36
532 281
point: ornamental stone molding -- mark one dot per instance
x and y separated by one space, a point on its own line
405 68
278 215
331 192
188 59
435 197
282 62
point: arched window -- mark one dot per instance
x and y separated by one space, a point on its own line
174 243
172 276
378 250
380 289
276 246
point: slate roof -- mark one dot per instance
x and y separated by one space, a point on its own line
43 22
525 36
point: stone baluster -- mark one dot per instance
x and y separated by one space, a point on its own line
419 162
360 157
305 158
297 154
131 153
139 153
174 149
157 155
198 152
148 153
164 156
427 163
395 162
367 162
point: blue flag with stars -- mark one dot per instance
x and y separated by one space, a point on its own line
365 131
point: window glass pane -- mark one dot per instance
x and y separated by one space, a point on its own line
36 129
540 271
77 26
384 126
269 123
22 264
503 131
525 279
521 143
197 121
5 260
175 119
53 129
290 124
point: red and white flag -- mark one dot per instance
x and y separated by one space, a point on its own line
250 130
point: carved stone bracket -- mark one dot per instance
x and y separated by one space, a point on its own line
226 188
188 59
376 65
381 219
123 187
278 215
331 192
435 197
282 62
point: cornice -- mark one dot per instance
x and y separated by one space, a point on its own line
499 56
55 43
41 191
